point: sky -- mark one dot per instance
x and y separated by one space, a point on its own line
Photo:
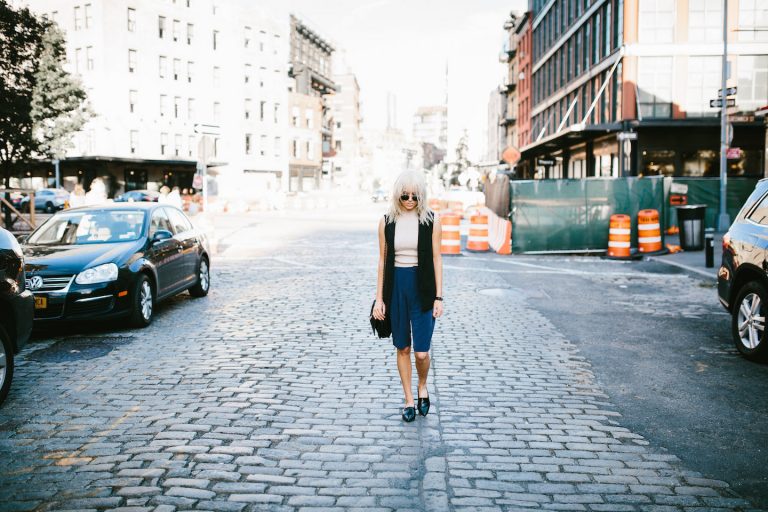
403 47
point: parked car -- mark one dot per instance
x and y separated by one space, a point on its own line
16 308
138 195
118 260
48 200
380 195
742 281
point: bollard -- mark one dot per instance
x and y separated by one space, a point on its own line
709 244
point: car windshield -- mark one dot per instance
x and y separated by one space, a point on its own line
90 227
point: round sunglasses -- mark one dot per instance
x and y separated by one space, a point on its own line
413 197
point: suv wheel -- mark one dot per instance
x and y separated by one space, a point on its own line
6 365
49 207
748 321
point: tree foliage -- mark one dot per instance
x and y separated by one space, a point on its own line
41 105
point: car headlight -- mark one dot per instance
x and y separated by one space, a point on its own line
101 274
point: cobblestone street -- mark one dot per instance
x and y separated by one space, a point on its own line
272 394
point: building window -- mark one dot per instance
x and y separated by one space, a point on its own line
176 30
134 141
262 40
190 69
752 76
190 32
176 106
132 97
585 47
191 109
248 105
295 117
308 115
276 113
248 148
216 76
295 148
596 42
263 145
190 145
310 150
131 19
163 143
655 87
703 82
278 146
89 58
177 145
216 147
248 72
215 39
262 108
161 27
176 69
162 67
247 37
216 111
705 21
78 18
657 21
88 16
338 145
607 29
163 105
131 61
262 74
276 40
78 59
753 20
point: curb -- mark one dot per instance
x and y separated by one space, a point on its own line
712 275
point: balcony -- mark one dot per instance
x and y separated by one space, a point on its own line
508 87
509 120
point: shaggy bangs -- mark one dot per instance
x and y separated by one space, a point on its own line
414 182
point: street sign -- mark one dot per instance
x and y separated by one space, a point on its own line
733 153
730 102
197 181
730 91
627 136
546 162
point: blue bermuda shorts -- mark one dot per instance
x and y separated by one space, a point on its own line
406 314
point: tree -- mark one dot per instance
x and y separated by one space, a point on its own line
41 105
461 164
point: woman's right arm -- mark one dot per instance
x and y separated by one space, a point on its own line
378 311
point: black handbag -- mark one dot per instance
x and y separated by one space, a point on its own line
381 328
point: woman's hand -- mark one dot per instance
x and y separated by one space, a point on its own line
437 309
379 311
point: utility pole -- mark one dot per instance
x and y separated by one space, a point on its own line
724 222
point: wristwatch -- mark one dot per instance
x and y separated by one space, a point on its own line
439 298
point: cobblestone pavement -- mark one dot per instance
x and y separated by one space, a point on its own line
271 394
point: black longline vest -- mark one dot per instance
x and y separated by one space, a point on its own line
425 271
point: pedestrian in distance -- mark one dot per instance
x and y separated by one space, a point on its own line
77 197
410 282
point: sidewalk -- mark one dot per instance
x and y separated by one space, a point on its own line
692 261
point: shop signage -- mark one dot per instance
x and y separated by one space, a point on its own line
627 136
741 119
730 102
197 182
547 162
730 91
733 153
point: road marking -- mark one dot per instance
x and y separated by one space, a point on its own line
704 273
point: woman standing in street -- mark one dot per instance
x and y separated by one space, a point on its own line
410 282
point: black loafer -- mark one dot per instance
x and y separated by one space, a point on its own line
423 406
409 414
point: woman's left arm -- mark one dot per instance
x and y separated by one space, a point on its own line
437 258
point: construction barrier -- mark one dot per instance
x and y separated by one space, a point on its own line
478 233
499 232
648 231
451 240
619 236
456 208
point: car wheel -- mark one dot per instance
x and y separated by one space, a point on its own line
203 284
143 303
6 365
748 321
49 207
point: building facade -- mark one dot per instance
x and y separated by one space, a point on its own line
516 87
172 83
311 121
623 87
495 130
430 125
347 165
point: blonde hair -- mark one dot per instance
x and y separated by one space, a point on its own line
414 182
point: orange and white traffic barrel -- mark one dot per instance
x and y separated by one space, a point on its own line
451 239
456 208
619 233
478 233
648 231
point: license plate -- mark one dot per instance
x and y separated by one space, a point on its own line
41 302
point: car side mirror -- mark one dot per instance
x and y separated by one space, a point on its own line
160 235
22 238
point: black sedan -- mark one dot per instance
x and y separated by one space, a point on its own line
15 308
742 281
114 261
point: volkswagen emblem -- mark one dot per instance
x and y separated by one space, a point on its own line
35 283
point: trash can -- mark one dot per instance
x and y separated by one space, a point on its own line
691 221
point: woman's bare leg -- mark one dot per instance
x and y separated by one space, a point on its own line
422 368
406 371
